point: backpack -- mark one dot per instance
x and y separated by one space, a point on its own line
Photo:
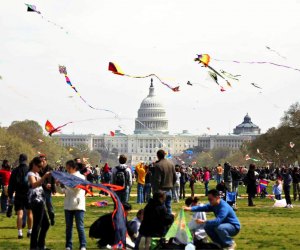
122 178
21 179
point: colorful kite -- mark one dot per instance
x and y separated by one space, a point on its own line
112 133
118 215
99 204
247 158
205 59
51 129
222 89
63 70
32 8
276 52
255 85
115 69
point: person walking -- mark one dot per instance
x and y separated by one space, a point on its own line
251 184
122 176
177 184
49 188
164 178
36 200
18 185
206 179
287 182
5 174
141 173
183 181
236 177
74 206
296 183
220 171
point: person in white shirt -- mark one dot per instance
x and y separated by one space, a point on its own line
176 187
74 206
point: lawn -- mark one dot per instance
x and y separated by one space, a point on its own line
263 227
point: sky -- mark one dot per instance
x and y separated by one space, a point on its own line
144 37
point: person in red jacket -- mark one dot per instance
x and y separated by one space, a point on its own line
5 176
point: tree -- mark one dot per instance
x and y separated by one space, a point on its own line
291 117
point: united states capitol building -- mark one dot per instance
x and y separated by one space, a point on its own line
152 133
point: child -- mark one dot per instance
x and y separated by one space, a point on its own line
197 230
135 224
277 190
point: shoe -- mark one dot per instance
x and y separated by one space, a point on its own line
28 235
291 206
20 237
68 248
232 247
52 222
82 248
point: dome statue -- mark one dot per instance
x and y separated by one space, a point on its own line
151 115
247 127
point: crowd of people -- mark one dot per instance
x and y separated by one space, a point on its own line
29 189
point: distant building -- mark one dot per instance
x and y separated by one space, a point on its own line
151 133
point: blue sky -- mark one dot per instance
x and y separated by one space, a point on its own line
161 37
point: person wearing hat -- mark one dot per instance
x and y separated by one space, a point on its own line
19 186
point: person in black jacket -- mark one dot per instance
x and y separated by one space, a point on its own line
296 182
183 181
251 184
156 220
18 185
49 188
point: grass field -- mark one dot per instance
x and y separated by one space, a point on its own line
263 227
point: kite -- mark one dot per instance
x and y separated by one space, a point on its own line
292 145
258 151
51 129
275 151
233 77
255 85
205 59
32 8
118 215
247 158
40 140
200 84
2 146
112 133
99 204
63 70
276 52
189 83
222 89
115 69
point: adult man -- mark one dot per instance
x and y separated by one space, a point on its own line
141 172
164 178
220 171
224 226
97 174
19 186
227 176
121 176
49 188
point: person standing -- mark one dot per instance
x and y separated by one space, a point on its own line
206 179
147 187
141 173
5 174
49 188
183 181
97 174
192 185
251 184
220 171
287 182
296 183
177 184
74 205
164 178
236 177
227 176
122 176
224 226
18 185
36 200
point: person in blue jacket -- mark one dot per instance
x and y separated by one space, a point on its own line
224 226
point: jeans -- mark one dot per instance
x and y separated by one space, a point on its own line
278 196
168 201
192 190
228 185
79 219
182 191
124 194
219 178
147 192
40 226
222 234
4 199
140 194
287 190
235 187
296 189
206 187
48 196
176 192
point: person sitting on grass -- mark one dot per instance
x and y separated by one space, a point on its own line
277 189
135 224
224 226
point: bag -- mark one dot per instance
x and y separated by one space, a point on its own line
121 177
21 179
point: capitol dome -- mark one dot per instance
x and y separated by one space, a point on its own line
247 127
151 115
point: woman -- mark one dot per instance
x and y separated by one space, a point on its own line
147 187
74 206
251 184
36 200
5 176
206 179
176 187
